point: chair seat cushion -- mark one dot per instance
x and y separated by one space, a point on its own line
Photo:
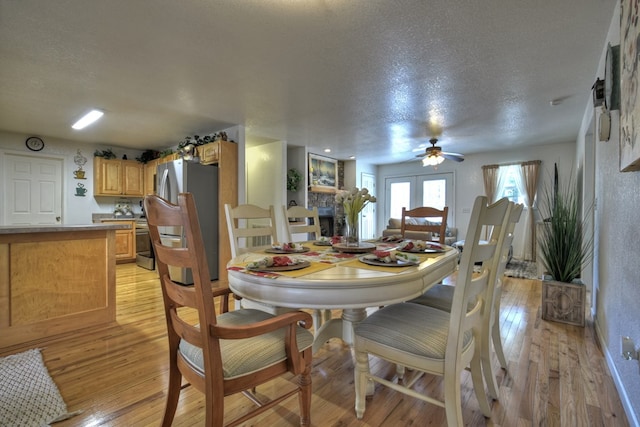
411 328
244 356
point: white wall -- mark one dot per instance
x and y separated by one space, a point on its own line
75 210
468 175
266 175
78 210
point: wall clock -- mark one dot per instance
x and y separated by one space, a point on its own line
34 143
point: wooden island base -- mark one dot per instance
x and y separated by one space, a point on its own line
55 280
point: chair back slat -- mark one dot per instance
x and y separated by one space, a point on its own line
184 296
187 331
307 221
248 224
180 257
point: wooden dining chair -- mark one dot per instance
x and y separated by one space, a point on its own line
426 339
416 220
227 352
496 334
441 297
300 220
250 226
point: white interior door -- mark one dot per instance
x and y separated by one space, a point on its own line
368 221
33 190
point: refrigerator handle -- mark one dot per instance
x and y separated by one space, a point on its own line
163 184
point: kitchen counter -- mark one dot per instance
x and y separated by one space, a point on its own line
18 229
56 279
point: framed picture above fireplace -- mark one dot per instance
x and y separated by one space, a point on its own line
323 174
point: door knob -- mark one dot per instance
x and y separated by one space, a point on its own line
57 219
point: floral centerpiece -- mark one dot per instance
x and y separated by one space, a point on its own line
354 201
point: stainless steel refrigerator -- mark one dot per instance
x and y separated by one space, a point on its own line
177 177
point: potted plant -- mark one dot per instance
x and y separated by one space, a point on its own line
564 249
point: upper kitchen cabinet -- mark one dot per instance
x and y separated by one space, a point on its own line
118 177
150 169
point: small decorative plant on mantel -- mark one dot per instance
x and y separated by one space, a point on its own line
564 250
293 179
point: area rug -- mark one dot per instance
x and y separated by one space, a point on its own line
28 395
521 269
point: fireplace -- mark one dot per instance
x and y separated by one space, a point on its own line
326 215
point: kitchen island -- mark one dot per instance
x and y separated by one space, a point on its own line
55 279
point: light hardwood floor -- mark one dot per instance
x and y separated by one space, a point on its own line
117 374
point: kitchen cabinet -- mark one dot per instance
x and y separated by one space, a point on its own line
150 169
210 153
118 177
125 241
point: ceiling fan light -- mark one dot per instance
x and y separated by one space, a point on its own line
432 160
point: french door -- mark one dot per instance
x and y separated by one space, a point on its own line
434 190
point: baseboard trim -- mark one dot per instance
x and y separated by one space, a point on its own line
624 398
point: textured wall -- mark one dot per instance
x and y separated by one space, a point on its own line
617 219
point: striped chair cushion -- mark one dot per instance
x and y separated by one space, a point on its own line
242 357
411 328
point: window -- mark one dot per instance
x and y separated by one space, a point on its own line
434 193
510 183
400 196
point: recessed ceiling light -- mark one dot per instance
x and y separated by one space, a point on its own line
327 150
87 119
352 157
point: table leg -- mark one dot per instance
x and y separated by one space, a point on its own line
339 328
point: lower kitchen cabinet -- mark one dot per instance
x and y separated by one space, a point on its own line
125 241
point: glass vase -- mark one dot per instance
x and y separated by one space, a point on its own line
353 232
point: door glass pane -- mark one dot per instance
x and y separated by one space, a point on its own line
400 196
434 193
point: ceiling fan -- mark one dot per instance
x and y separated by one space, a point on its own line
434 155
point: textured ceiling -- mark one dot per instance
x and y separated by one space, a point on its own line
360 76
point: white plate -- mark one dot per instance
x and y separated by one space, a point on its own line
361 248
285 251
296 266
379 263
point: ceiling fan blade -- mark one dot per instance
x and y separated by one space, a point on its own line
421 155
453 156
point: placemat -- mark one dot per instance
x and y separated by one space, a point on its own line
313 268
355 263
323 254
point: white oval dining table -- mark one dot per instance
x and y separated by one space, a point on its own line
342 286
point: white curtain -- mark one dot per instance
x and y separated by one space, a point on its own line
529 172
